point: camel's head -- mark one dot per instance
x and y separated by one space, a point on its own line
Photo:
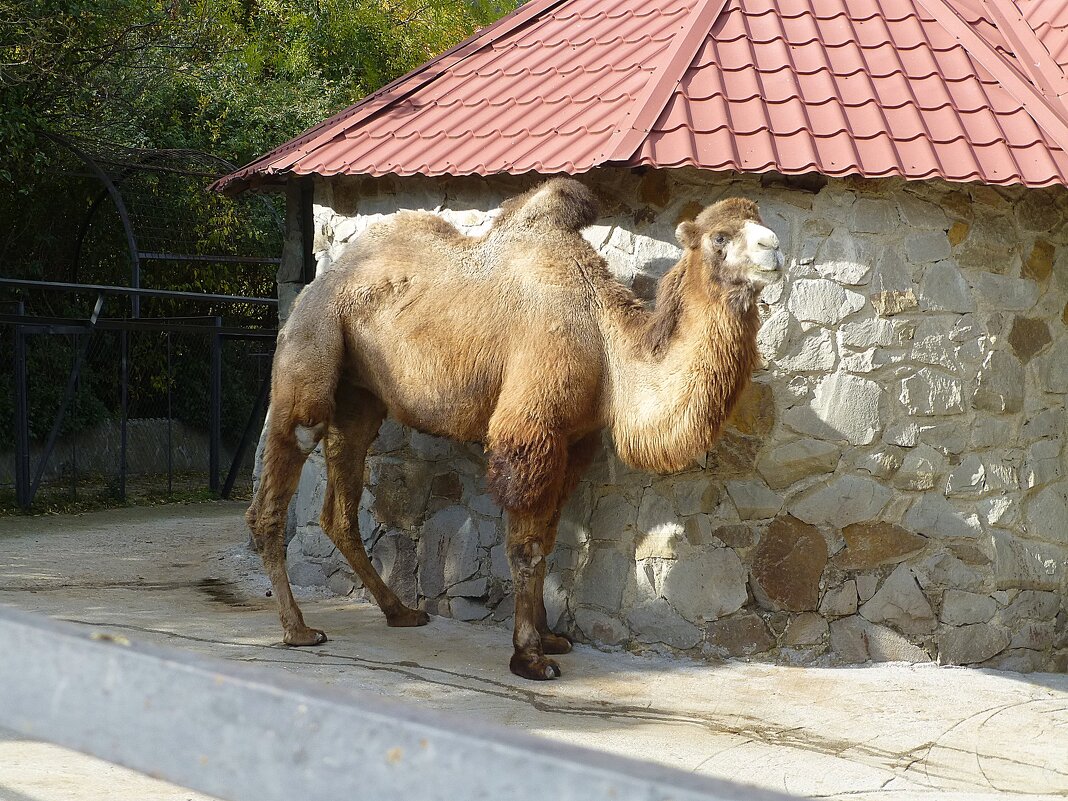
734 245
556 203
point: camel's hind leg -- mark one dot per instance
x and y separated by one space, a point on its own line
283 456
356 422
579 456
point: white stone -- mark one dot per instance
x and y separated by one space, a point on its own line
1043 463
922 247
959 608
867 333
919 469
845 500
819 300
1027 565
799 459
1052 369
774 335
1004 293
1000 384
943 288
831 416
875 216
1047 513
933 516
814 352
707 584
656 621
932 392
753 500
843 257
901 603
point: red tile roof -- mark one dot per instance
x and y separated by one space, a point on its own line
965 90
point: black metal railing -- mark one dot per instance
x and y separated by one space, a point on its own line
180 381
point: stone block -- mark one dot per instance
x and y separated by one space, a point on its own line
598 627
924 247
844 257
920 469
448 550
1039 264
844 500
603 578
744 634
812 352
894 301
796 460
659 543
967 645
875 216
655 509
1029 605
708 584
1052 371
1028 336
472 588
901 603
827 417
1005 293
869 545
788 564
1046 513
840 601
819 300
303 573
1043 464
868 333
699 495
1000 384
944 289
753 500
934 516
866 586
960 608
340 583
930 392
854 639
1027 565
467 609
656 621
944 570
808 628
921 214
1034 635
613 518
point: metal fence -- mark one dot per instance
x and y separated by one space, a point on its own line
243 733
106 404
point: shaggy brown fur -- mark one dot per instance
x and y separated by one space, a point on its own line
520 339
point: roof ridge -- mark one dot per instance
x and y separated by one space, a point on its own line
1051 116
485 36
625 142
1035 60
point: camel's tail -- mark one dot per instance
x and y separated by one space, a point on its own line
307 363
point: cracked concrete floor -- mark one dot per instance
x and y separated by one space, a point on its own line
180 576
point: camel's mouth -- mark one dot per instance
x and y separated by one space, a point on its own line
761 248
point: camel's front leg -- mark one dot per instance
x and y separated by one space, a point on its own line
528 545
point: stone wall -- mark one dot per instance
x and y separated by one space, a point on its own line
893 486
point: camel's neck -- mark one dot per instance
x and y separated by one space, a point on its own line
676 373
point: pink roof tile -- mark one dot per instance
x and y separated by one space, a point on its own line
965 90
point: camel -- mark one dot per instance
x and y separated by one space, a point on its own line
519 339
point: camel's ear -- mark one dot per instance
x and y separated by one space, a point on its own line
688 234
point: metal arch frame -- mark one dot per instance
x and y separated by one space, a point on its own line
120 206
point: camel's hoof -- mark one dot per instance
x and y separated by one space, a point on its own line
304 636
534 666
555 643
408 617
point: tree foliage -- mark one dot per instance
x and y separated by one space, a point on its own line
234 78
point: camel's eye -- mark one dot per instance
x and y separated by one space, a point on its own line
720 240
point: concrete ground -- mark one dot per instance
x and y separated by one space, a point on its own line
180 576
